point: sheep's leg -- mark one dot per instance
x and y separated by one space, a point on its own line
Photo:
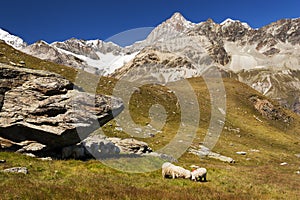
173 175
204 177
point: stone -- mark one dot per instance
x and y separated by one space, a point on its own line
220 157
29 155
22 170
45 159
206 152
254 150
32 147
24 147
8 145
95 146
283 164
130 145
99 147
267 109
46 108
241 153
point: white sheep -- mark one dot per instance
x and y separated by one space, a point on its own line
198 174
168 169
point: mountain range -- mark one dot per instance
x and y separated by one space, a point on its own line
267 59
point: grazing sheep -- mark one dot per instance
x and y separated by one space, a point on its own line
198 174
168 169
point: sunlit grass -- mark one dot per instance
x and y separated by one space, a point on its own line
257 175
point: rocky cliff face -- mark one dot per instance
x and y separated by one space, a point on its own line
88 48
286 30
44 107
49 52
266 59
178 49
93 56
153 64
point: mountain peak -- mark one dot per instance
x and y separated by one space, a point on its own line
12 40
177 15
177 22
178 18
229 21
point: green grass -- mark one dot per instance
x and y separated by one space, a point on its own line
257 175
92 180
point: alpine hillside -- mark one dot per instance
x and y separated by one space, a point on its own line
267 59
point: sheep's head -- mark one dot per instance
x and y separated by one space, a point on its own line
188 174
192 177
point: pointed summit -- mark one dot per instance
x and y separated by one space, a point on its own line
179 22
177 16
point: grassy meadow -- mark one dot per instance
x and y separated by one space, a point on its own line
256 175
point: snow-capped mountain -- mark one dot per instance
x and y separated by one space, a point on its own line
12 40
94 56
173 27
229 21
267 58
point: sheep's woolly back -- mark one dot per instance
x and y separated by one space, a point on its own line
182 173
166 164
199 173
168 169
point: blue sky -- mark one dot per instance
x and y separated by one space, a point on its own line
58 20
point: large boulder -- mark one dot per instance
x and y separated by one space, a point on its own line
130 145
44 107
102 147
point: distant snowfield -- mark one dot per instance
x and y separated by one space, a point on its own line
107 62
248 57
12 40
228 21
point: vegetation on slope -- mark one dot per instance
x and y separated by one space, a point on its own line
257 175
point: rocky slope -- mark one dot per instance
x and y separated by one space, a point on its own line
47 110
93 56
267 59
178 49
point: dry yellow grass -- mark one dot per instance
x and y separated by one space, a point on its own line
257 175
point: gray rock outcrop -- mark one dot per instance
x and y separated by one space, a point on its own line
130 145
203 151
267 109
21 170
99 146
45 108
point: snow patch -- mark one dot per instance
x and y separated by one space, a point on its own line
108 62
12 40
229 21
